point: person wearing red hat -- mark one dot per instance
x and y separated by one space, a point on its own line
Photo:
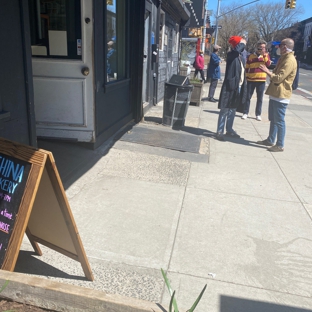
233 93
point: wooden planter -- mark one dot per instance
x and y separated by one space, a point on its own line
197 93
183 71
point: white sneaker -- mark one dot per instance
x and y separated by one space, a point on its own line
258 118
244 116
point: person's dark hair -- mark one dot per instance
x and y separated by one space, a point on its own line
260 42
215 50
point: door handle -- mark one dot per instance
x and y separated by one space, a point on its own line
85 71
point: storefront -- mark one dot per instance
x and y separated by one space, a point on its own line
81 70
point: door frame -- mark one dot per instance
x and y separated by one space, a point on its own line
28 73
146 73
152 67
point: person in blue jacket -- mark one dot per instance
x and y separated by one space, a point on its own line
213 72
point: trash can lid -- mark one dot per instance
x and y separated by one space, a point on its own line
190 86
179 80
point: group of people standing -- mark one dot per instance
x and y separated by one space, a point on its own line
242 77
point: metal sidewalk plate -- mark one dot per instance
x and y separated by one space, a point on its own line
161 138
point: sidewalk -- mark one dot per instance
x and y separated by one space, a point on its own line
227 214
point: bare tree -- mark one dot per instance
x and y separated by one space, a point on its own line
235 23
271 18
269 21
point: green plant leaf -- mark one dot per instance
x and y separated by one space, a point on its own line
174 302
166 281
197 300
171 302
4 286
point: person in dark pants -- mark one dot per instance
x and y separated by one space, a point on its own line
234 89
213 72
256 78
199 65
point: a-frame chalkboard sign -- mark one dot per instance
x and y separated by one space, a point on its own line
33 201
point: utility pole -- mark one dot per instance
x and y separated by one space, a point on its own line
204 25
217 22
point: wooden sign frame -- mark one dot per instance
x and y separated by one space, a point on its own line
44 213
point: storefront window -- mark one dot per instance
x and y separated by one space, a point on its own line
115 39
55 28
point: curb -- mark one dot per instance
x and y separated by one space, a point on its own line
305 66
57 296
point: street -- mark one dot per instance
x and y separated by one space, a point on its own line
305 84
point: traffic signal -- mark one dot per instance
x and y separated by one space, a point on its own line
288 4
293 4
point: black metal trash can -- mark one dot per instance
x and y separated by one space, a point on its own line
176 101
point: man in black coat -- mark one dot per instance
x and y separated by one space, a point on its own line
234 89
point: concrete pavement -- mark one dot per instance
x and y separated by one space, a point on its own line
232 215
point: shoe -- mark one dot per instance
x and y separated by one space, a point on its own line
258 118
217 100
265 142
244 116
232 134
220 137
212 100
276 148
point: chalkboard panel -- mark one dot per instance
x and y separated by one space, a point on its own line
13 177
30 188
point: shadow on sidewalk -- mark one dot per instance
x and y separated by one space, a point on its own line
191 130
74 159
206 132
229 304
237 114
211 111
27 263
156 120
242 141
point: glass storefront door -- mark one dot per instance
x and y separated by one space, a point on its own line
63 70
55 28
116 39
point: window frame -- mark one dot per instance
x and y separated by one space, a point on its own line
73 29
162 22
122 45
177 39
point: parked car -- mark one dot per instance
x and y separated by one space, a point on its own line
274 60
274 51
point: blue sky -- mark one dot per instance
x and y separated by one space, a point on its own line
306 4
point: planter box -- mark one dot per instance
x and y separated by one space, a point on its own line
185 71
197 93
